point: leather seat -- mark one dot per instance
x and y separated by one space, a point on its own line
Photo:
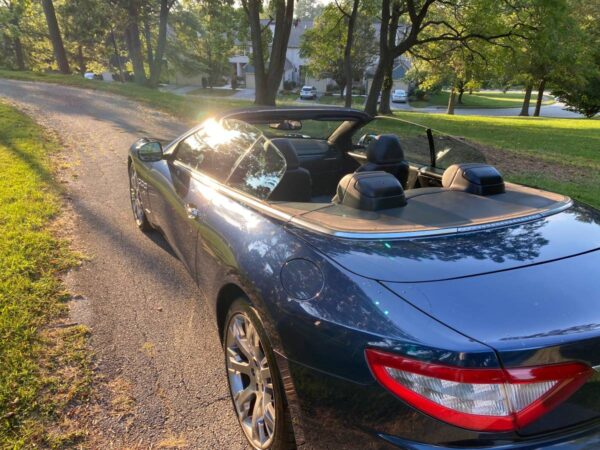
296 184
385 153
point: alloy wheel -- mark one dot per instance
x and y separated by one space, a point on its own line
136 198
250 381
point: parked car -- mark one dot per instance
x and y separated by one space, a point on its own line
308 93
377 285
399 96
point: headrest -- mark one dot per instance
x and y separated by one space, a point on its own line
288 151
370 191
385 149
475 178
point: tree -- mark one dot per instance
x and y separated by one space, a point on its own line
351 19
546 52
203 39
11 14
581 92
55 37
86 24
156 61
411 23
324 45
269 72
308 9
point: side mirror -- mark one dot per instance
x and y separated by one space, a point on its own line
148 150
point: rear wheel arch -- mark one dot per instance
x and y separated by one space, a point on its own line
227 295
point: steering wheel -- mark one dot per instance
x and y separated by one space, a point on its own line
365 139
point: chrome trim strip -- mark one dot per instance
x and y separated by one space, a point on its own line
597 368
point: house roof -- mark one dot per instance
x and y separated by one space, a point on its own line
299 27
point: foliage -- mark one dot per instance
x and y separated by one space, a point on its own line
582 93
308 9
324 45
202 40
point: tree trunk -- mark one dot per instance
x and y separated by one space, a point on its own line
348 54
81 59
148 39
119 64
156 67
19 56
134 46
55 37
451 101
526 100
268 80
386 90
540 98
460 96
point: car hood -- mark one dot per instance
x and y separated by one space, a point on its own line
572 232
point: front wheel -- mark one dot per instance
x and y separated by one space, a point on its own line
136 201
254 381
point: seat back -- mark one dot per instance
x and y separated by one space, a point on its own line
296 183
385 153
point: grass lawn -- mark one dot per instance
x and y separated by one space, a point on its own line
181 106
208 92
334 100
482 99
43 367
569 144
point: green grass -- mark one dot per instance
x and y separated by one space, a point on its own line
481 99
42 367
335 99
208 92
563 141
177 105
570 147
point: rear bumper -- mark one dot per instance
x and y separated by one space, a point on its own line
330 412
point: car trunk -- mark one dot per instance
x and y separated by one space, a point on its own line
531 292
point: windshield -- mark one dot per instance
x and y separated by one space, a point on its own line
304 129
420 143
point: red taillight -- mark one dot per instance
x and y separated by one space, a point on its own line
478 399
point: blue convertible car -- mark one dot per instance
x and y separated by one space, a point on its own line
377 285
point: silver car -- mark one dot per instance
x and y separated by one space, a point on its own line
399 96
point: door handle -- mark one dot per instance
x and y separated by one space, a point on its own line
192 211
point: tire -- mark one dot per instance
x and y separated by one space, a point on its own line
137 206
254 381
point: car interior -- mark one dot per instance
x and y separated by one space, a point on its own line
315 167
371 185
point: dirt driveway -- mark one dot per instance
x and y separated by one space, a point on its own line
155 343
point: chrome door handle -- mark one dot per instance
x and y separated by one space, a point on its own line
191 211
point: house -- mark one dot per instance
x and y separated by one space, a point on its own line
398 75
295 65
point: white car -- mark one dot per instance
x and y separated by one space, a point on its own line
399 96
308 93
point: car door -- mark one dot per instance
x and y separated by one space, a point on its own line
174 198
228 218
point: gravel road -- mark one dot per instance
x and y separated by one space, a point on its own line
157 351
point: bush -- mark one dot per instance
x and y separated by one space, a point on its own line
420 94
289 85
331 87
